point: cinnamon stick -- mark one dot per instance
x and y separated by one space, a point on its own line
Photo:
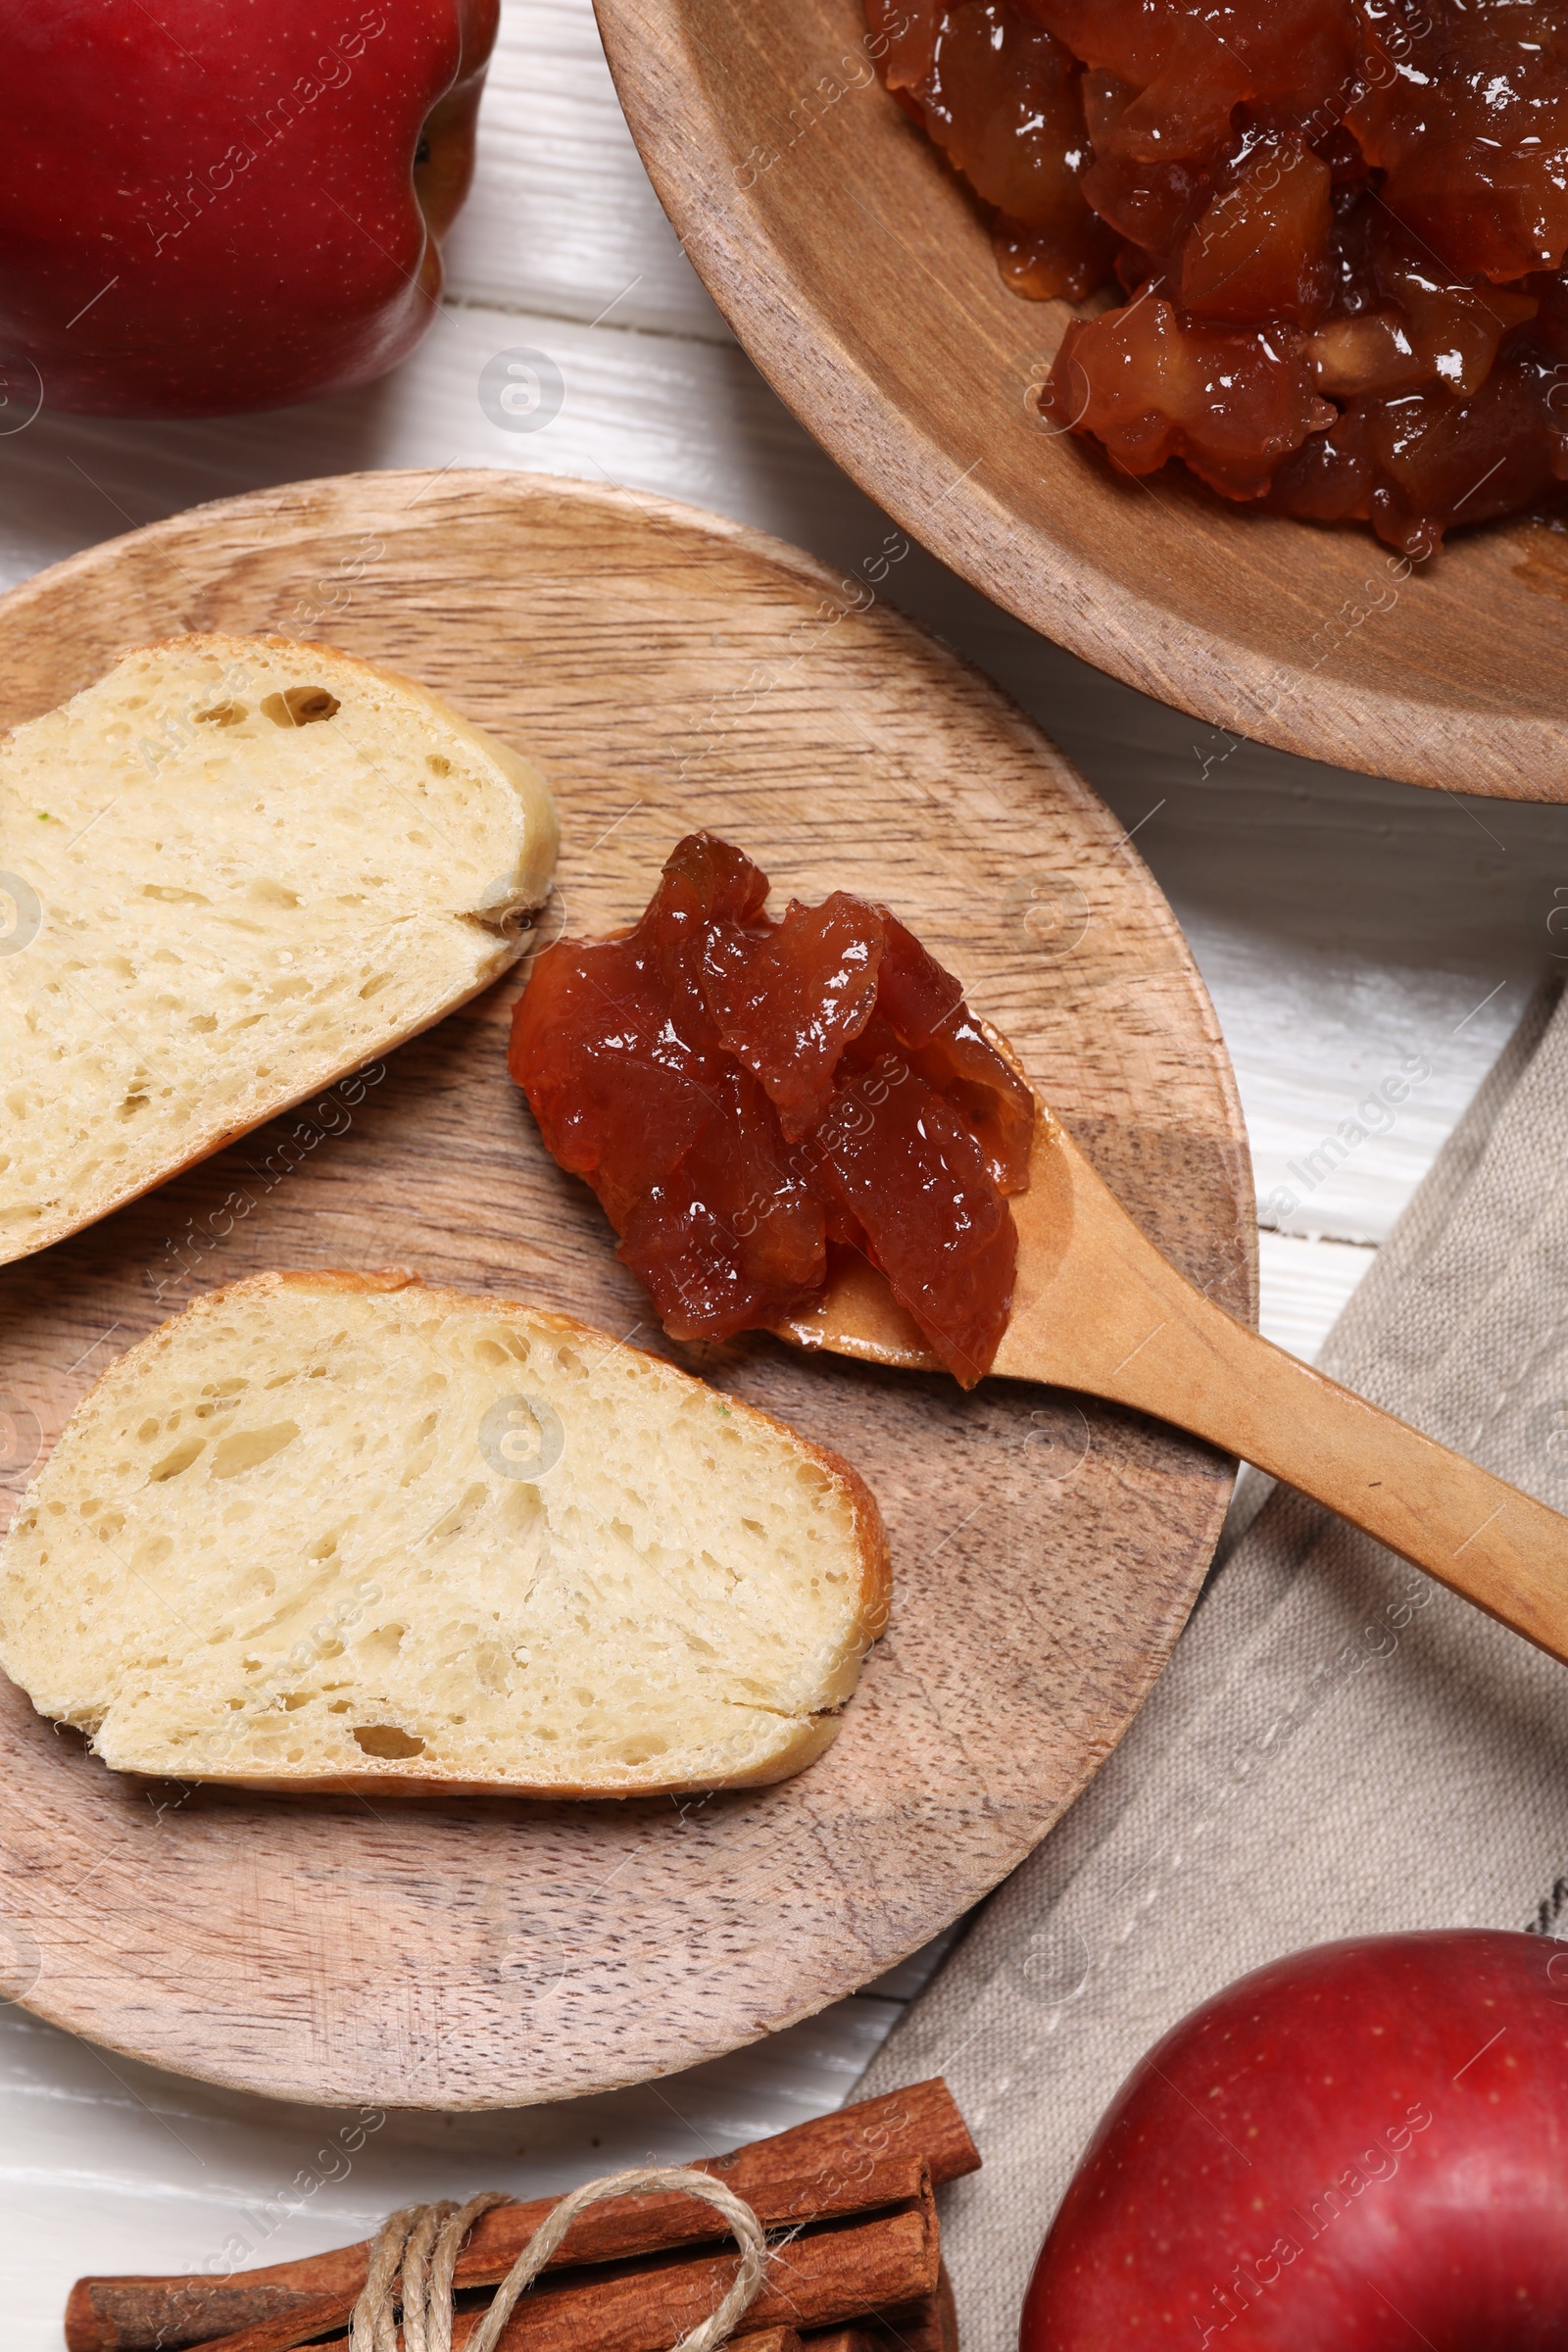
655 2225
837 2151
929 2325
841 2273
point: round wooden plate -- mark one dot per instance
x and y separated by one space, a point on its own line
668 670
859 277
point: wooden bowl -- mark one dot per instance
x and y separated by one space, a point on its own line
668 670
857 272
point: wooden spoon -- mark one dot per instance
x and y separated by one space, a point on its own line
1096 1308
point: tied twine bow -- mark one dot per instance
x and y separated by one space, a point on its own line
416 2254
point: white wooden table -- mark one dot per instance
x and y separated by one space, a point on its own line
1342 924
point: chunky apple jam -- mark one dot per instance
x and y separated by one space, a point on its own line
751 1097
1336 229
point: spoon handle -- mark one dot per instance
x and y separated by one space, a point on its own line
1144 1335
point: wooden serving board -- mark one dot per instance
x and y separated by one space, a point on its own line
667 670
857 271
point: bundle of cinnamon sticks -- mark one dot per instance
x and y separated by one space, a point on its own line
846 2200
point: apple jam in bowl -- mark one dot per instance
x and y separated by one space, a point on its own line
1330 235
754 1098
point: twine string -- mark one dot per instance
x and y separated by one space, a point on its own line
415 2273
372 2328
415 2256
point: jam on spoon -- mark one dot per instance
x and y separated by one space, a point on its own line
754 1098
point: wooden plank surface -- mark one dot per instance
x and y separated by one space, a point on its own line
1338 921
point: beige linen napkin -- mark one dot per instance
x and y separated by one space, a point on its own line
1338 1748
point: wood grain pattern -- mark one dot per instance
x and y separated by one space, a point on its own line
1097 1309
666 671
859 276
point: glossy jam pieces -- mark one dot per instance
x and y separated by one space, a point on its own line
750 1097
1334 227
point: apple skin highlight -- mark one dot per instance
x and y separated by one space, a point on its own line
209 211
1360 2148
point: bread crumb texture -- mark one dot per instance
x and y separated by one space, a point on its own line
235 868
317 1528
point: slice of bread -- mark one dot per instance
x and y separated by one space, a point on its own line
231 872
341 1527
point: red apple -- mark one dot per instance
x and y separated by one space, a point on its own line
221 205
1362 2146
